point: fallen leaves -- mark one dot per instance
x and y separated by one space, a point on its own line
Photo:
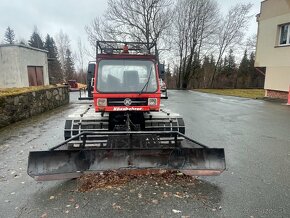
106 179
113 179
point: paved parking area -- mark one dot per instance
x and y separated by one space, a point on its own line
255 135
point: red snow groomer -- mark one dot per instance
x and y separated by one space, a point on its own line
125 128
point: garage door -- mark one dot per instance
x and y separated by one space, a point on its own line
35 76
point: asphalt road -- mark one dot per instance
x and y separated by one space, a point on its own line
255 135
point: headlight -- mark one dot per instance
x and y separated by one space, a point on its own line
152 101
102 102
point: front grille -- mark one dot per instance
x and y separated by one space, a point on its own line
120 101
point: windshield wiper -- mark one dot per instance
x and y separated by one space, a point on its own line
147 83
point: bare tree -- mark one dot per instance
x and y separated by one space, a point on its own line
195 22
251 43
80 74
231 31
79 56
136 20
63 44
97 30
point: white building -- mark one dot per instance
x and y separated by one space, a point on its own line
273 46
22 66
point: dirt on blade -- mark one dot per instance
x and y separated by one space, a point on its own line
109 179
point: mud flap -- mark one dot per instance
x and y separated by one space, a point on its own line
66 164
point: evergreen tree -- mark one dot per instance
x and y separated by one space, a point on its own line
252 62
225 65
244 65
252 72
231 62
220 65
209 72
205 71
206 62
69 68
54 66
35 40
196 65
243 71
9 36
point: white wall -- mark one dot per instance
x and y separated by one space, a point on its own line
33 58
269 54
13 65
9 68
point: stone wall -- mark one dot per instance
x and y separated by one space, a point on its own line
14 108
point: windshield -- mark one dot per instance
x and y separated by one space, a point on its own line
126 76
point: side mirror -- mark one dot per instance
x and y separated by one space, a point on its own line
91 69
161 71
90 78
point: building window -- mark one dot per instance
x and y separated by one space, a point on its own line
285 34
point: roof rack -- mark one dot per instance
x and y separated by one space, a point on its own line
117 47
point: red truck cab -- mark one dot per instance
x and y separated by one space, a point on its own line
126 80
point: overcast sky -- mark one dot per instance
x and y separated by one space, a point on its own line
70 16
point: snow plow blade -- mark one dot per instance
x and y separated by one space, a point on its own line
67 164
57 165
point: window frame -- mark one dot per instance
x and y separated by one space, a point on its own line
280 35
127 92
